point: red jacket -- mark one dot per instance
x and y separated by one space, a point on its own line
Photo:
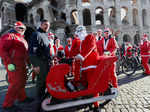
67 51
89 51
129 52
145 48
99 47
111 45
75 48
14 49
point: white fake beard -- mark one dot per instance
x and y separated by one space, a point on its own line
21 33
82 35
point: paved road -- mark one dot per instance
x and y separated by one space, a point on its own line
134 93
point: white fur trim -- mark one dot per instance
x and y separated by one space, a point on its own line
79 56
88 67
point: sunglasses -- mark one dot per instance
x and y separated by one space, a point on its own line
21 28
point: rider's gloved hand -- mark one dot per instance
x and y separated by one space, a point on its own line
11 67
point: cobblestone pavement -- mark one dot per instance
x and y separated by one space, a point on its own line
134 93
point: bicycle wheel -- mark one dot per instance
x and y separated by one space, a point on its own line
128 67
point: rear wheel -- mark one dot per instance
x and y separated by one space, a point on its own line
129 66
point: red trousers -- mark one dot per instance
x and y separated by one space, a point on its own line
146 65
16 88
112 74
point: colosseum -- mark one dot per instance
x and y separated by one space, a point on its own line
128 16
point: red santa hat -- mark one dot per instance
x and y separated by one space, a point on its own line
106 30
51 35
145 36
19 24
69 39
99 30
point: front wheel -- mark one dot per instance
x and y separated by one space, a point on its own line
128 67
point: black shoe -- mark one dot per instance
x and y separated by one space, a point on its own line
12 109
27 100
96 109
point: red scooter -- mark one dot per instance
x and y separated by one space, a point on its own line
56 87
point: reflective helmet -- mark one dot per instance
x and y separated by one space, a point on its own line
19 24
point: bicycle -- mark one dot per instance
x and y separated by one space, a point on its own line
130 64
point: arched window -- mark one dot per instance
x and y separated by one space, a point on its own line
144 17
124 17
112 15
74 17
99 16
21 12
40 13
86 17
137 39
126 38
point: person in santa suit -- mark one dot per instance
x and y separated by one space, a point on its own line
128 50
52 46
99 34
88 56
99 42
110 46
14 52
68 47
145 54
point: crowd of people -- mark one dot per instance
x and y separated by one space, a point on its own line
44 51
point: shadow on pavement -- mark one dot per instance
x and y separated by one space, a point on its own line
128 79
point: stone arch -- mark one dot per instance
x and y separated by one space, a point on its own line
21 12
99 16
54 4
112 15
74 17
144 17
124 16
126 38
63 16
86 17
40 13
137 39
135 17
31 19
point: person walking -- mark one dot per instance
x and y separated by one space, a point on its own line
14 52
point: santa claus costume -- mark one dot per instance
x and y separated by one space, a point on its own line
109 47
68 48
145 54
